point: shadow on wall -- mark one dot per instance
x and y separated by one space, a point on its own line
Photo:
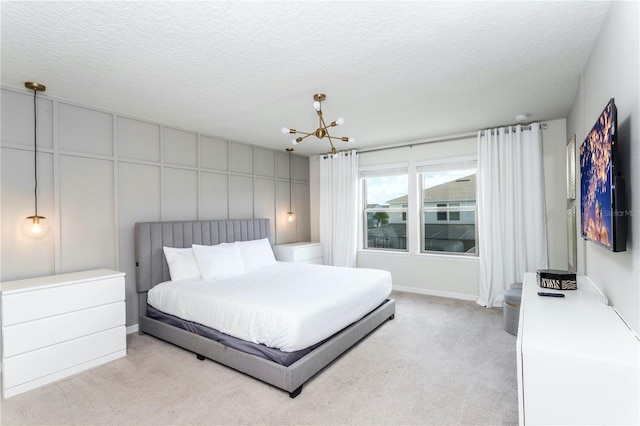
624 163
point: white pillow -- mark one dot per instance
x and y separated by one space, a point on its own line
182 263
256 254
219 261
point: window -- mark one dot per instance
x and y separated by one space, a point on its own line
453 214
448 207
445 214
385 200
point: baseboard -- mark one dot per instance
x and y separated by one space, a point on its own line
133 329
437 293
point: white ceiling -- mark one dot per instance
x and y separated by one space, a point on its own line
396 71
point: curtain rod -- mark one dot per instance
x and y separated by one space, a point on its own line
543 126
449 139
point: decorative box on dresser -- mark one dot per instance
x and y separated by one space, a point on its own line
59 325
299 252
577 360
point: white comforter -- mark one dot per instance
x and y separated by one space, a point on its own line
290 306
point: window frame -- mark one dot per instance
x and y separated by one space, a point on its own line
448 209
372 171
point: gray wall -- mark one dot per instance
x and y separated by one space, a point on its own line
612 72
100 172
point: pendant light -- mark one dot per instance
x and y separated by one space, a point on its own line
35 226
290 214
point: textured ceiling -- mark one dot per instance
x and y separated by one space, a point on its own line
396 71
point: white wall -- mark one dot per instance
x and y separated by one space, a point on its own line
456 276
100 172
554 155
612 72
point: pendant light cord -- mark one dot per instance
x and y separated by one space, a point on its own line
290 180
35 149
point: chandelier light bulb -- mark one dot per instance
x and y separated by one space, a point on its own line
316 105
351 140
340 121
285 130
295 142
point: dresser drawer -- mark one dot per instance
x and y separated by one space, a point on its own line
298 252
28 336
29 305
53 359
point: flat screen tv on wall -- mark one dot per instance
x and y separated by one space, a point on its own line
602 195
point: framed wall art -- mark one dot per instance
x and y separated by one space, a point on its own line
571 168
572 236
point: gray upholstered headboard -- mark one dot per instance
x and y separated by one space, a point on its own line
151 265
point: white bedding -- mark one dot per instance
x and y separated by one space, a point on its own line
290 306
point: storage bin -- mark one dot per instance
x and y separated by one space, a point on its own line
511 308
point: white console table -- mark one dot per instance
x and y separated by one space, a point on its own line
299 252
578 362
59 325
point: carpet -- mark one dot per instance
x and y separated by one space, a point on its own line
441 361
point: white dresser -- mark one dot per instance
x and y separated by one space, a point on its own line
299 252
56 326
578 362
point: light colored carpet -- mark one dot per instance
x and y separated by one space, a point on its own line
441 361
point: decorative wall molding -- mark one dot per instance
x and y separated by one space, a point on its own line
100 172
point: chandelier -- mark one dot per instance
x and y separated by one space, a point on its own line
323 130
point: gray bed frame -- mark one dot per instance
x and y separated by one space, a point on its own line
152 269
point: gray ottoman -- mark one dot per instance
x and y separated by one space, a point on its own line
511 308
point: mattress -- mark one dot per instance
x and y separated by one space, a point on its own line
289 307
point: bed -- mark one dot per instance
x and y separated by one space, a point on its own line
286 369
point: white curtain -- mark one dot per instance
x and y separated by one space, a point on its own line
511 211
338 208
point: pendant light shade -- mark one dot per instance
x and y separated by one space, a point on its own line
290 214
35 226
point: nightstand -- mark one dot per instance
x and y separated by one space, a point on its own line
304 252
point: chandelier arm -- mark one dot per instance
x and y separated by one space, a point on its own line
304 133
304 137
323 125
342 139
326 129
